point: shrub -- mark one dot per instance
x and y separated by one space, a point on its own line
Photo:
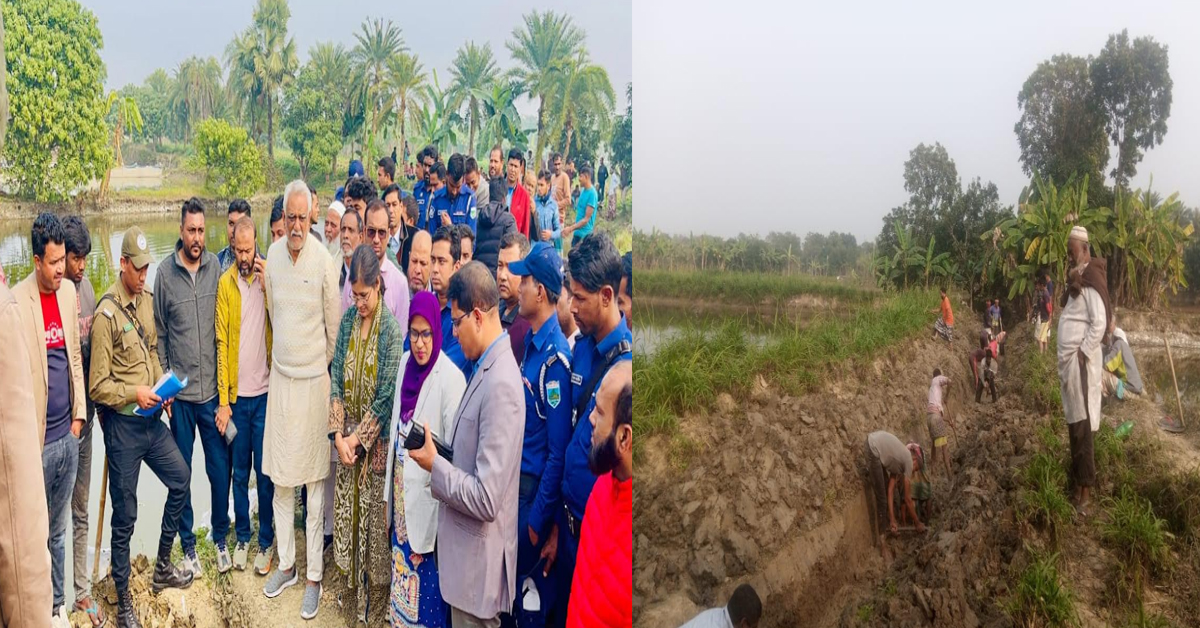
1138 536
231 162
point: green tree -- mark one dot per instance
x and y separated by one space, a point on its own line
127 117
58 138
405 83
262 61
545 40
1133 86
195 93
3 87
377 42
311 122
153 96
502 120
334 74
437 121
229 158
621 143
581 88
1061 129
472 73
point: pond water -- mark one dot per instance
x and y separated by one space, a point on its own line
660 321
162 231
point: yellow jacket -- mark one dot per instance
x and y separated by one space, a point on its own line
229 333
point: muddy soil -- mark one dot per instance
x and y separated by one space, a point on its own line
776 497
231 600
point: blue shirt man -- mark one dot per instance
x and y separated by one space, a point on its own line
546 375
461 207
450 346
423 196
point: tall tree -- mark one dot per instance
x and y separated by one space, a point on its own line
1061 129
55 84
1133 85
377 42
336 75
3 87
502 121
622 141
538 47
263 60
244 85
312 121
127 117
473 71
405 80
581 88
195 92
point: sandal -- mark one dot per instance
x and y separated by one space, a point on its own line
93 611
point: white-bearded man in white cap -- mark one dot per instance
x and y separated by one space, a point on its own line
1081 329
333 226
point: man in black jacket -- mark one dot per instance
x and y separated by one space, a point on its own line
494 221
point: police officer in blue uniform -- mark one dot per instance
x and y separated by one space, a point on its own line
546 374
455 204
595 271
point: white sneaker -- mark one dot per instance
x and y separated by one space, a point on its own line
191 562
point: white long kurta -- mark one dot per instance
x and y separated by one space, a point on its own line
303 301
1081 328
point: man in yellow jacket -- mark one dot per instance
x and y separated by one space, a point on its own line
243 369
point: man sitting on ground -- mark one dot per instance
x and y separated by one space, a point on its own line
1121 375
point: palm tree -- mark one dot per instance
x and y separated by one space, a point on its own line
473 71
404 83
437 122
377 42
128 117
331 65
262 61
244 85
195 92
546 39
580 87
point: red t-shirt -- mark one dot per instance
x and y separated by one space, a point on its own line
58 372
55 338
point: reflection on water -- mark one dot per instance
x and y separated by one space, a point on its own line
162 231
658 323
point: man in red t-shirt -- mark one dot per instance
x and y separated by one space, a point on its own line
45 303
602 587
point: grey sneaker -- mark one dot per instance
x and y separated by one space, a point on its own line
278 581
312 595
240 553
224 564
262 562
191 562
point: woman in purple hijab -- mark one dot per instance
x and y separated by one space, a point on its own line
428 389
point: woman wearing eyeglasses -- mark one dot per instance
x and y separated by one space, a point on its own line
428 389
363 388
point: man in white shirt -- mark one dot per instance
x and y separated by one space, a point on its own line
1081 328
743 611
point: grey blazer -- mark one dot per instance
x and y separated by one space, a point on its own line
477 530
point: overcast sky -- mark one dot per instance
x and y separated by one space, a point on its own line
757 116
142 35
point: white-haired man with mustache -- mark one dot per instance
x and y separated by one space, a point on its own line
303 302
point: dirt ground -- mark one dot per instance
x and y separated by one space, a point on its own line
776 497
232 600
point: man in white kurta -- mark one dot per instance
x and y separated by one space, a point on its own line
302 297
1081 328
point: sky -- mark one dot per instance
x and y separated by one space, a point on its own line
776 116
143 35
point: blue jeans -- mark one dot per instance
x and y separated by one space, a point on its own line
59 462
186 419
250 417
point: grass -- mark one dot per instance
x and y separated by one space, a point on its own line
1044 497
1039 373
866 612
687 373
747 287
1139 537
1040 597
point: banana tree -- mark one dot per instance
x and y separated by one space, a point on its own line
128 116
934 264
502 122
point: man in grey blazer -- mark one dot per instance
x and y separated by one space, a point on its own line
477 530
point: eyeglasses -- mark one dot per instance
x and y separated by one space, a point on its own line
456 321
360 299
373 233
423 336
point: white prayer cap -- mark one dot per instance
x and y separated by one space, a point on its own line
1078 233
338 207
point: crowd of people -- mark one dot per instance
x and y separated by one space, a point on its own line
448 399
